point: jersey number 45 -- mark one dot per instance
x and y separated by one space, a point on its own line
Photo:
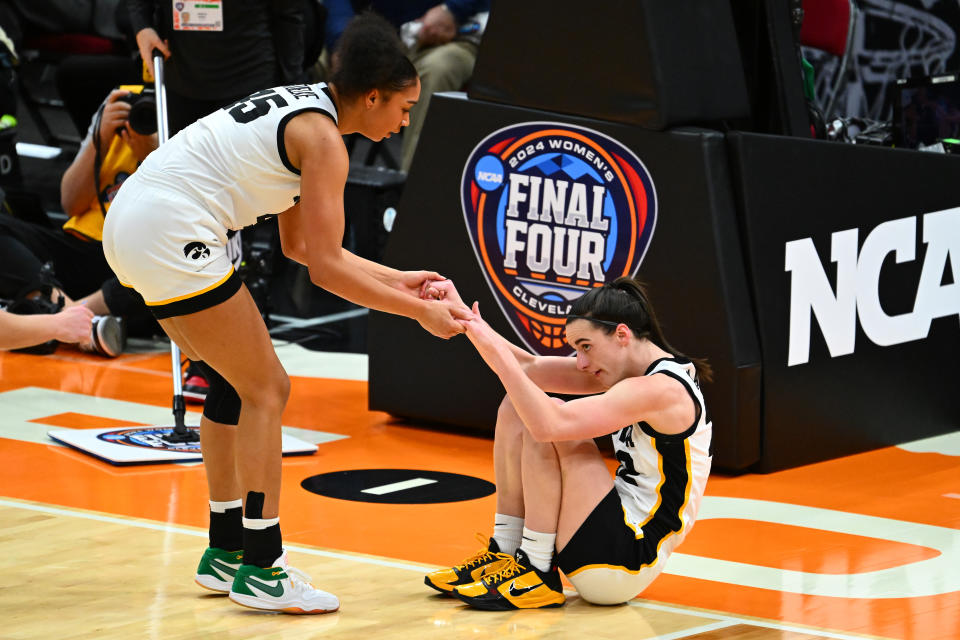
255 105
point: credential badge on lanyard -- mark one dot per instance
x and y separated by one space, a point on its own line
198 15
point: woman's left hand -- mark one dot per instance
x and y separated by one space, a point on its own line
416 282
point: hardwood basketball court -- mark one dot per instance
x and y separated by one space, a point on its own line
864 546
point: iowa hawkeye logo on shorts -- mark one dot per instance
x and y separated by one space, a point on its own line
552 211
196 250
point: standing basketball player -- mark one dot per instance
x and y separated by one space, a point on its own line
279 150
613 535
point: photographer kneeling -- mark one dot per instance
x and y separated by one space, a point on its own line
66 267
111 151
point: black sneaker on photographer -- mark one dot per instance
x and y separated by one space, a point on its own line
108 336
195 385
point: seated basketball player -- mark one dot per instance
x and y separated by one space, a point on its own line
280 150
612 535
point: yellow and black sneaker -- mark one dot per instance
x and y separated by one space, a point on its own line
517 585
486 560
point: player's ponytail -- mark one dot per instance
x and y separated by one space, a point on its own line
369 55
626 301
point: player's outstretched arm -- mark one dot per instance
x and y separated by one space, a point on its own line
412 283
315 145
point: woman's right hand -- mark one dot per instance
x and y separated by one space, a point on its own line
442 317
440 290
147 41
73 324
115 114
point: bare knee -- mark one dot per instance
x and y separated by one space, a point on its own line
280 386
506 411
541 449
508 420
573 448
269 392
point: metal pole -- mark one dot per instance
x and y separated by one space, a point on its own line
163 130
180 431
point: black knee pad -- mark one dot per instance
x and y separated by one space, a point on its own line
222 404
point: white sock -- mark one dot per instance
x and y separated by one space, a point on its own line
260 523
506 532
221 507
539 548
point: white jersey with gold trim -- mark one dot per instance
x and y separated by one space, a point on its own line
233 162
662 477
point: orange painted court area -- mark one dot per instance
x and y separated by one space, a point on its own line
891 484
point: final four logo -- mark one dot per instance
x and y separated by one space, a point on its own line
554 210
149 438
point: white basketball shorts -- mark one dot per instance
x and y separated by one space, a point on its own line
169 248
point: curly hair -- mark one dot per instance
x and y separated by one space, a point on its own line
369 55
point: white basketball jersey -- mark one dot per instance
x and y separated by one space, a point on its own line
233 161
662 477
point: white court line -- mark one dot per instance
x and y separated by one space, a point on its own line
383 562
947 444
301 362
692 631
113 365
952 495
398 486
296 360
755 623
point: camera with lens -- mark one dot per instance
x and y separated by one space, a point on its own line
143 108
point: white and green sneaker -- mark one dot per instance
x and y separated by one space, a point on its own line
217 568
280 588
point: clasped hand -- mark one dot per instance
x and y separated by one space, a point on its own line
441 317
483 337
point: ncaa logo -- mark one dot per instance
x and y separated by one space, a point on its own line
554 210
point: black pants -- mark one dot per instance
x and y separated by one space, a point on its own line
79 267
128 304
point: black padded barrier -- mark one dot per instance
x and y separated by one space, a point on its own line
839 263
772 70
653 63
854 261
